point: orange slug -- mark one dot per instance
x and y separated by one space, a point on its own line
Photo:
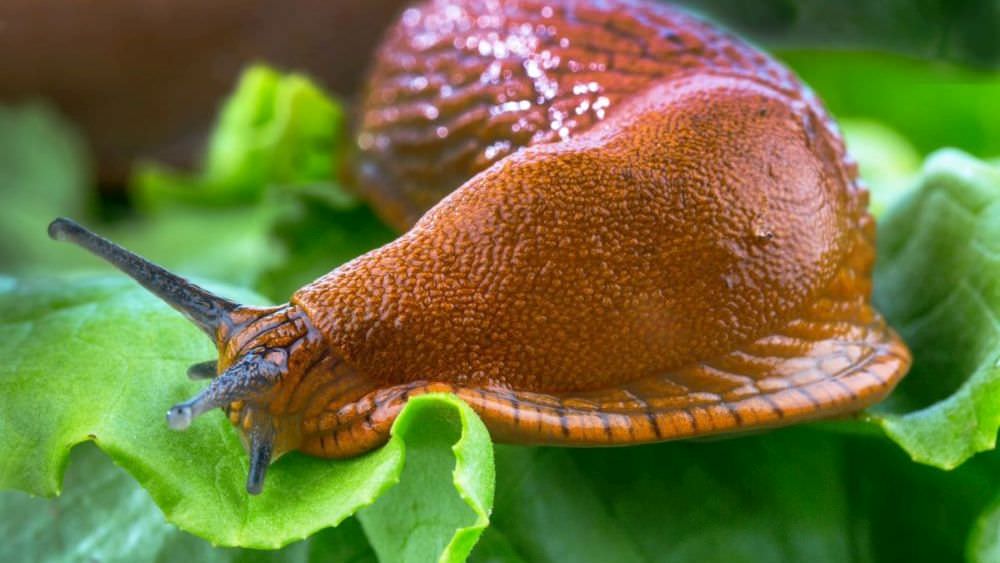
655 233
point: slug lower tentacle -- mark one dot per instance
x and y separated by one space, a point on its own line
247 379
627 226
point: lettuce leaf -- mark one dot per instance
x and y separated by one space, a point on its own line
789 495
275 129
44 172
104 515
422 515
268 197
938 282
91 360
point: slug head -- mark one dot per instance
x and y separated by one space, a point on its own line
256 347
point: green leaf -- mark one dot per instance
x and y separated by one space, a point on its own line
938 282
273 130
231 244
932 104
779 497
99 359
316 239
104 515
421 519
984 543
789 495
43 174
267 199
886 160
906 511
932 29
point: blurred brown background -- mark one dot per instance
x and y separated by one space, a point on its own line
143 78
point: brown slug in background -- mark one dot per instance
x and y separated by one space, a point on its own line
656 234
141 79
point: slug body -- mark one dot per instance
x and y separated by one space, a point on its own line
656 233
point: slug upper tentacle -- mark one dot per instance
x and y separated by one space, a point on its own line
203 370
209 312
627 226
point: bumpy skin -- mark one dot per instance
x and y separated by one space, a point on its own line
694 219
659 235
458 86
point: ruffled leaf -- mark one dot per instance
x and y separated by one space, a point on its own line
938 282
275 129
104 515
421 519
99 359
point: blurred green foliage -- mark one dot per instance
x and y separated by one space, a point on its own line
931 105
274 130
43 170
956 31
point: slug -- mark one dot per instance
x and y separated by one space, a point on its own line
655 233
